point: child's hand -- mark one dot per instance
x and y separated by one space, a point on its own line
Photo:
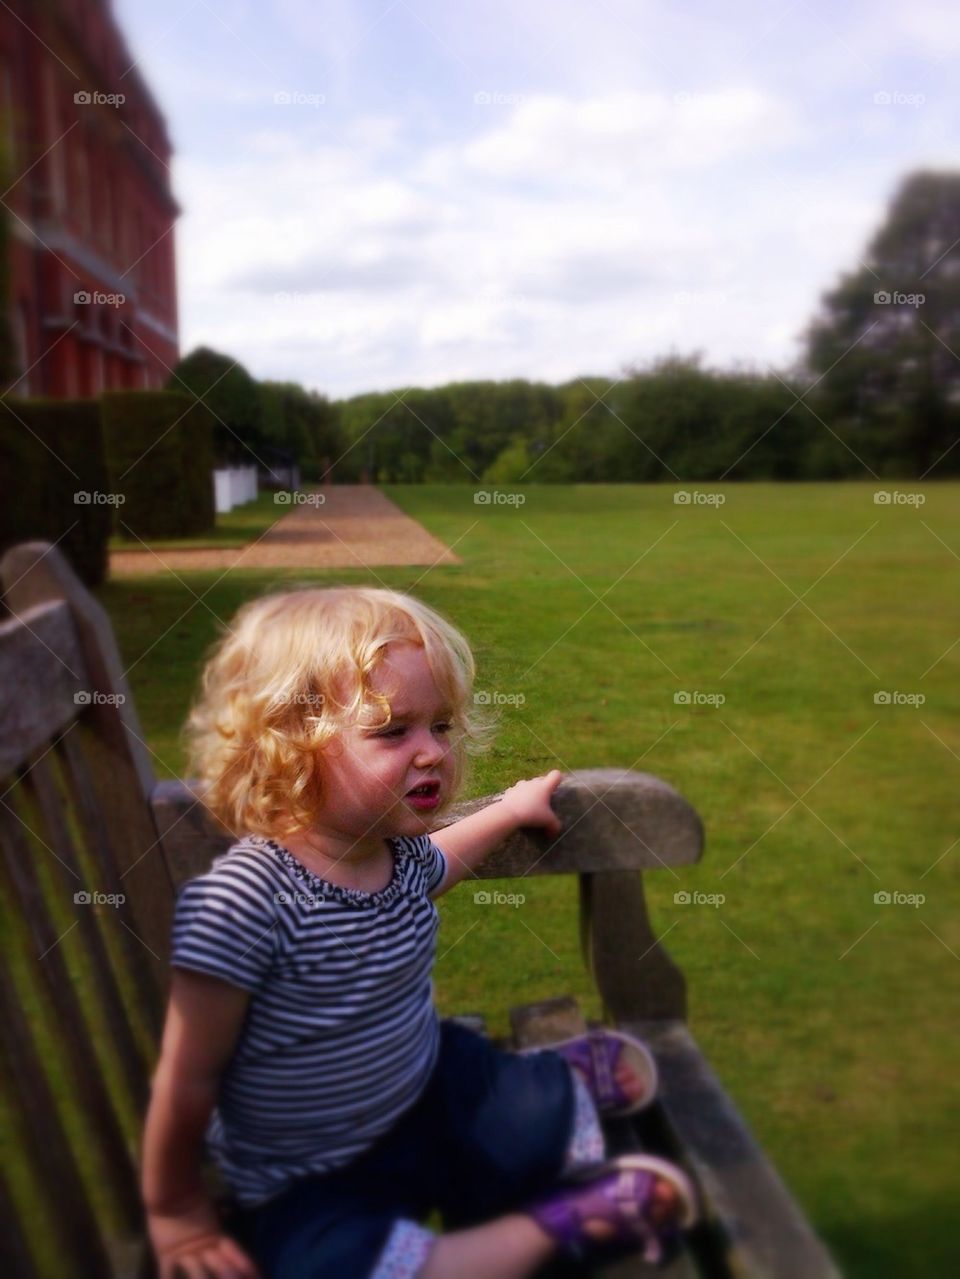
192 1243
529 801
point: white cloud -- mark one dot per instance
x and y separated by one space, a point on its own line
612 138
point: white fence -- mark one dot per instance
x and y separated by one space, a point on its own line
234 485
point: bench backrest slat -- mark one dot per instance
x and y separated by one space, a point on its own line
41 668
47 1150
76 879
16 1250
118 762
56 992
75 752
86 977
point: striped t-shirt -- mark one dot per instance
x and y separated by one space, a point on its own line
341 1033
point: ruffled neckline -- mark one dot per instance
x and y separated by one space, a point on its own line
351 896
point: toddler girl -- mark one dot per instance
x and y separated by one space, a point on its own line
301 1041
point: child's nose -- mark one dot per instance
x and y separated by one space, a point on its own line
429 750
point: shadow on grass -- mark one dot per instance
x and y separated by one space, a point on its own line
923 1242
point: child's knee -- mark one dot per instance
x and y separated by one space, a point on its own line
512 1143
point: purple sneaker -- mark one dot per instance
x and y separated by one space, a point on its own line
619 1193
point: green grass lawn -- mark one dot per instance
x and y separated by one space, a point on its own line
832 1019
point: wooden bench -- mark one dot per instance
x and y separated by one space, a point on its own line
84 986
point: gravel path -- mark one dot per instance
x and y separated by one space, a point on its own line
339 526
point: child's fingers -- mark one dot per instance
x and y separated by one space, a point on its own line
240 1266
531 801
554 778
552 823
225 1260
185 1268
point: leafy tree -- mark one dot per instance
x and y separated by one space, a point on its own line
887 340
304 423
232 395
510 466
587 441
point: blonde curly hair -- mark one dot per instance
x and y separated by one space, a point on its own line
288 674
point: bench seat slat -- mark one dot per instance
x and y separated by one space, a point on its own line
767 1235
550 1021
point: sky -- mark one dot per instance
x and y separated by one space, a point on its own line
385 193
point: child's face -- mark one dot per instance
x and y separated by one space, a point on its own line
368 772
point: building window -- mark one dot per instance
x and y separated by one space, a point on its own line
9 141
83 195
58 177
21 327
96 371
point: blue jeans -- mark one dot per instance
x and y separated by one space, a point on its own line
488 1135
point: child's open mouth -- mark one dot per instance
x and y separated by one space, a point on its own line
424 797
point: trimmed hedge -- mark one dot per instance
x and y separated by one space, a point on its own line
137 462
159 452
51 453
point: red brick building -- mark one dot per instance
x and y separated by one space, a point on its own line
87 199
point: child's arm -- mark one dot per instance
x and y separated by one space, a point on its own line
466 843
204 1017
